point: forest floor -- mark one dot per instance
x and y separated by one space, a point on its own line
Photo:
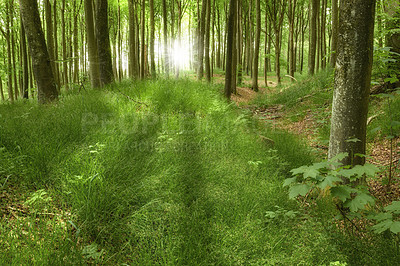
167 172
382 152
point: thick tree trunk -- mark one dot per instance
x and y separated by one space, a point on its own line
47 90
254 85
103 43
229 49
352 80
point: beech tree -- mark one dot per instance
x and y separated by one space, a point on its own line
42 70
103 43
352 80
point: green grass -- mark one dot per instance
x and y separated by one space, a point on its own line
171 175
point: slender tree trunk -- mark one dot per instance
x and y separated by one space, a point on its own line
13 52
55 55
152 30
254 85
142 53
202 23
207 42
165 27
64 46
352 80
47 90
229 49
25 63
313 37
103 43
9 52
92 45
49 34
132 41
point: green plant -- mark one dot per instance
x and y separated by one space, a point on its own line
328 177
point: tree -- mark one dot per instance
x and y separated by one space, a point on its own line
103 43
92 45
254 85
335 25
352 80
229 49
47 90
313 36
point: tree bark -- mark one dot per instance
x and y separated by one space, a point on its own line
202 24
92 45
43 73
142 50
103 43
165 28
352 80
313 36
229 50
254 85
152 30
335 26
25 63
207 42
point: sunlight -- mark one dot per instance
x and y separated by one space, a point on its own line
180 55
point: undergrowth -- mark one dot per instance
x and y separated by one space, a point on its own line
155 172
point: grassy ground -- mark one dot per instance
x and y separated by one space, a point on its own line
159 172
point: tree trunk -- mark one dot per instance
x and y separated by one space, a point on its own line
313 36
152 30
335 26
9 52
142 52
352 80
47 90
64 46
202 23
165 27
92 45
207 42
56 64
25 63
229 49
132 65
103 43
254 85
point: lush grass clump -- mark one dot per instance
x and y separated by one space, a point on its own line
156 172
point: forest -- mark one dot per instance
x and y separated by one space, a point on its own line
200 132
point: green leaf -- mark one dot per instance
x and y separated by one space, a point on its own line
394 207
339 157
359 202
299 170
310 172
299 190
341 192
289 181
395 227
382 226
382 216
329 180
